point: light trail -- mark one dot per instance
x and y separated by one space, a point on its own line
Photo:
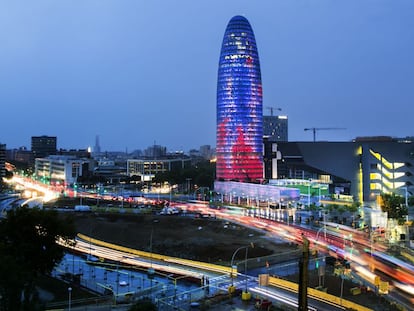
279 297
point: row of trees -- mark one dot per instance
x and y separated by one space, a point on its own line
201 175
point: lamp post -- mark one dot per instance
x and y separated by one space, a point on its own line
231 289
406 193
122 197
70 297
188 187
319 194
80 195
319 231
323 259
245 270
231 263
151 271
324 226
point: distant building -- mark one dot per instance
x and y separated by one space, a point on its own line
148 168
275 128
20 155
194 153
43 146
206 152
79 153
363 168
239 106
2 160
60 169
109 170
97 147
155 151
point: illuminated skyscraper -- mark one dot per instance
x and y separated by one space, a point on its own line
239 106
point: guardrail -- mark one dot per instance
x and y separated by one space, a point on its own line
316 294
180 261
84 301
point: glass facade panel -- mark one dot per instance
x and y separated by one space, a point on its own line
239 105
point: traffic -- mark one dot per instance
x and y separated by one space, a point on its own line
367 259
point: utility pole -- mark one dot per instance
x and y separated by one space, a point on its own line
303 276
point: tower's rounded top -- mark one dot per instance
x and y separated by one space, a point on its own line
239 19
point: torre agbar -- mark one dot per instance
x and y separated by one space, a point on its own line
239 106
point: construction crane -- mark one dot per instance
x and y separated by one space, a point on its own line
271 109
314 129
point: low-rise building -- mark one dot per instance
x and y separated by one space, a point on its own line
2 160
363 168
148 168
64 170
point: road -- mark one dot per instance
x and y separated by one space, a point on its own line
344 243
341 244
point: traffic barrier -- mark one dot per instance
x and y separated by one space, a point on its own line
180 261
199 264
316 294
122 248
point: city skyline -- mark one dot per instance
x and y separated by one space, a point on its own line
139 73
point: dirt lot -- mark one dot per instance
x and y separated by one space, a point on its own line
204 239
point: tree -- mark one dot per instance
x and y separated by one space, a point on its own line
201 175
354 207
28 248
410 200
144 304
394 206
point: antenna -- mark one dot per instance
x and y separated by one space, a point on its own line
271 109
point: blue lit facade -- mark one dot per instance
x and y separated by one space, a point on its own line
239 106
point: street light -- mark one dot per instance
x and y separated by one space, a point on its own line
80 196
245 269
324 226
231 289
319 231
406 193
323 259
231 262
319 196
70 296
150 270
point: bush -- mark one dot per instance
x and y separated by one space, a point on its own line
144 304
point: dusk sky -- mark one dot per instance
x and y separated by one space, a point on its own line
139 72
